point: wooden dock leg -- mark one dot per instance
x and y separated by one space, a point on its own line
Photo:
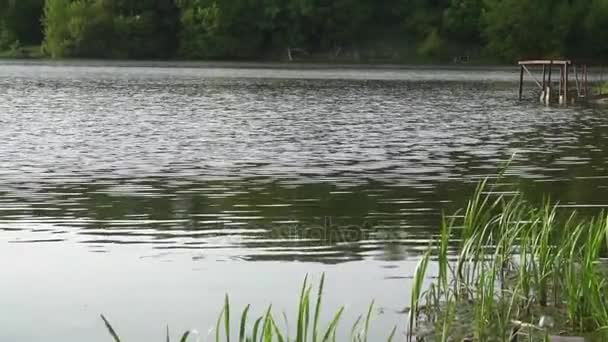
548 90
560 96
586 79
566 70
544 88
521 82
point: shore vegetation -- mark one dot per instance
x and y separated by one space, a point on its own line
504 270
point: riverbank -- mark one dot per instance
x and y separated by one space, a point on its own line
34 55
22 53
249 64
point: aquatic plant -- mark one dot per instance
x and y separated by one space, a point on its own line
266 329
506 269
600 88
516 265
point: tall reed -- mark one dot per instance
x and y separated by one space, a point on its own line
265 328
506 269
517 265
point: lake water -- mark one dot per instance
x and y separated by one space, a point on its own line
148 192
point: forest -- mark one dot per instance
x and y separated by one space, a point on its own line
354 30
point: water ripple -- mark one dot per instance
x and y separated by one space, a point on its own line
324 165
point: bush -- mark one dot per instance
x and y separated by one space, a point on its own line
433 46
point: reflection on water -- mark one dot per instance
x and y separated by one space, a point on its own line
213 158
239 165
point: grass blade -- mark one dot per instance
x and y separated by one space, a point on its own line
300 327
243 324
227 317
419 276
280 337
392 335
368 319
353 330
332 326
218 325
185 337
306 311
318 309
110 329
267 327
256 327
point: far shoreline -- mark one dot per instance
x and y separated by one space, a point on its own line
252 64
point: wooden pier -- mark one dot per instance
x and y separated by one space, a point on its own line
565 93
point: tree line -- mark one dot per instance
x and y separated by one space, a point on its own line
270 29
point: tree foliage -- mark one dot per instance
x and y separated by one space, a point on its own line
110 28
253 29
20 22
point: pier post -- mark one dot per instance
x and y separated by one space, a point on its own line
560 96
521 82
586 79
548 90
566 71
544 88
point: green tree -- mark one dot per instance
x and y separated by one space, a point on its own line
544 28
200 29
56 31
145 28
506 29
110 28
462 20
595 30
20 22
